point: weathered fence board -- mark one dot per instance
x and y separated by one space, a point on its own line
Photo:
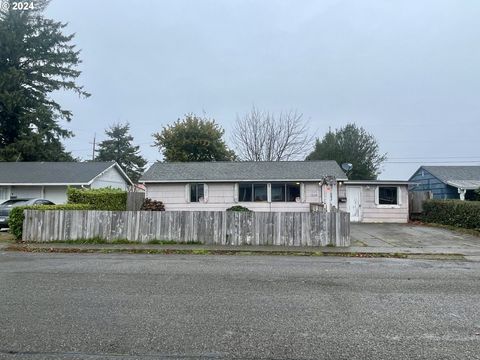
207 227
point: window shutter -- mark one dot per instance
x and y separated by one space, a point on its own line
377 201
399 195
302 192
205 193
269 192
187 193
235 192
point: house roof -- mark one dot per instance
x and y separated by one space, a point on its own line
242 171
377 182
54 173
466 177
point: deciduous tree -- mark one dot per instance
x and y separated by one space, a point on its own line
193 139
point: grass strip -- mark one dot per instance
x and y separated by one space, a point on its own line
33 249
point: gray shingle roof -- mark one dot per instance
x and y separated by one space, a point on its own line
453 173
242 171
50 172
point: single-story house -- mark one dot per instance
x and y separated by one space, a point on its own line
49 180
447 182
375 200
274 186
257 185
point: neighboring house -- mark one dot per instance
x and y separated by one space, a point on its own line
50 180
375 200
447 182
259 186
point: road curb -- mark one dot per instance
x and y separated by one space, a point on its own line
230 251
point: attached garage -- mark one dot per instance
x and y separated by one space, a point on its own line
375 201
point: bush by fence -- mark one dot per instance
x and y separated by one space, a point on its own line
238 208
15 221
99 199
464 214
152 205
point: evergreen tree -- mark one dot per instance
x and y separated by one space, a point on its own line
119 147
354 145
193 139
36 59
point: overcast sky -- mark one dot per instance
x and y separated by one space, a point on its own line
407 71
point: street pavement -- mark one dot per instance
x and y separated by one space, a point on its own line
123 306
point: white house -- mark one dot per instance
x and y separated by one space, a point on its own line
50 180
375 200
259 186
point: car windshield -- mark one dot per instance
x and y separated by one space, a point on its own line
10 203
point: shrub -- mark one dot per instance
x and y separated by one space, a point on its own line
152 205
16 217
100 199
464 214
238 208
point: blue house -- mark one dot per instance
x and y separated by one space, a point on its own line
447 182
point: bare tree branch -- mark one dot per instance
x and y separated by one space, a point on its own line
261 136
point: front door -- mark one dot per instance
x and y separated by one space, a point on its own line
354 196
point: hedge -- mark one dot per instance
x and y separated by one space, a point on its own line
16 217
464 214
107 199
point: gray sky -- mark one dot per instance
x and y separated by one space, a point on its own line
407 71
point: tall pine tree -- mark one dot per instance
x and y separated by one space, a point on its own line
36 59
119 147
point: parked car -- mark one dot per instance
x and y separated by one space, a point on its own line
7 206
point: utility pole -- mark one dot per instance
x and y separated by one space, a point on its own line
93 147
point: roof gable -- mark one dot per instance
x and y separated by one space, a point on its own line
242 171
65 173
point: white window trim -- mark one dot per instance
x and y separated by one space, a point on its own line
388 206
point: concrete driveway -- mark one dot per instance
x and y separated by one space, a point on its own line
403 236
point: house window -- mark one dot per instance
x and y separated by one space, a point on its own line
252 192
285 192
260 192
278 192
388 195
197 192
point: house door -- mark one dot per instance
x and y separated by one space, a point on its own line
354 196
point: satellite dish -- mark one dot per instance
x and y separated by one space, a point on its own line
346 166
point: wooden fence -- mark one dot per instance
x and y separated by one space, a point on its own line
416 199
135 200
207 227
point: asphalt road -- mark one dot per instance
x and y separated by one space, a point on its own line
242 307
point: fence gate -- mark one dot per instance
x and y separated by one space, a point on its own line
415 201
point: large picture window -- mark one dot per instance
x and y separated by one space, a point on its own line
252 192
197 192
285 192
388 195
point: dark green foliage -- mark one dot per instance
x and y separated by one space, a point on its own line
193 139
99 199
15 221
118 147
238 208
36 60
463 214
152 205
354 145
